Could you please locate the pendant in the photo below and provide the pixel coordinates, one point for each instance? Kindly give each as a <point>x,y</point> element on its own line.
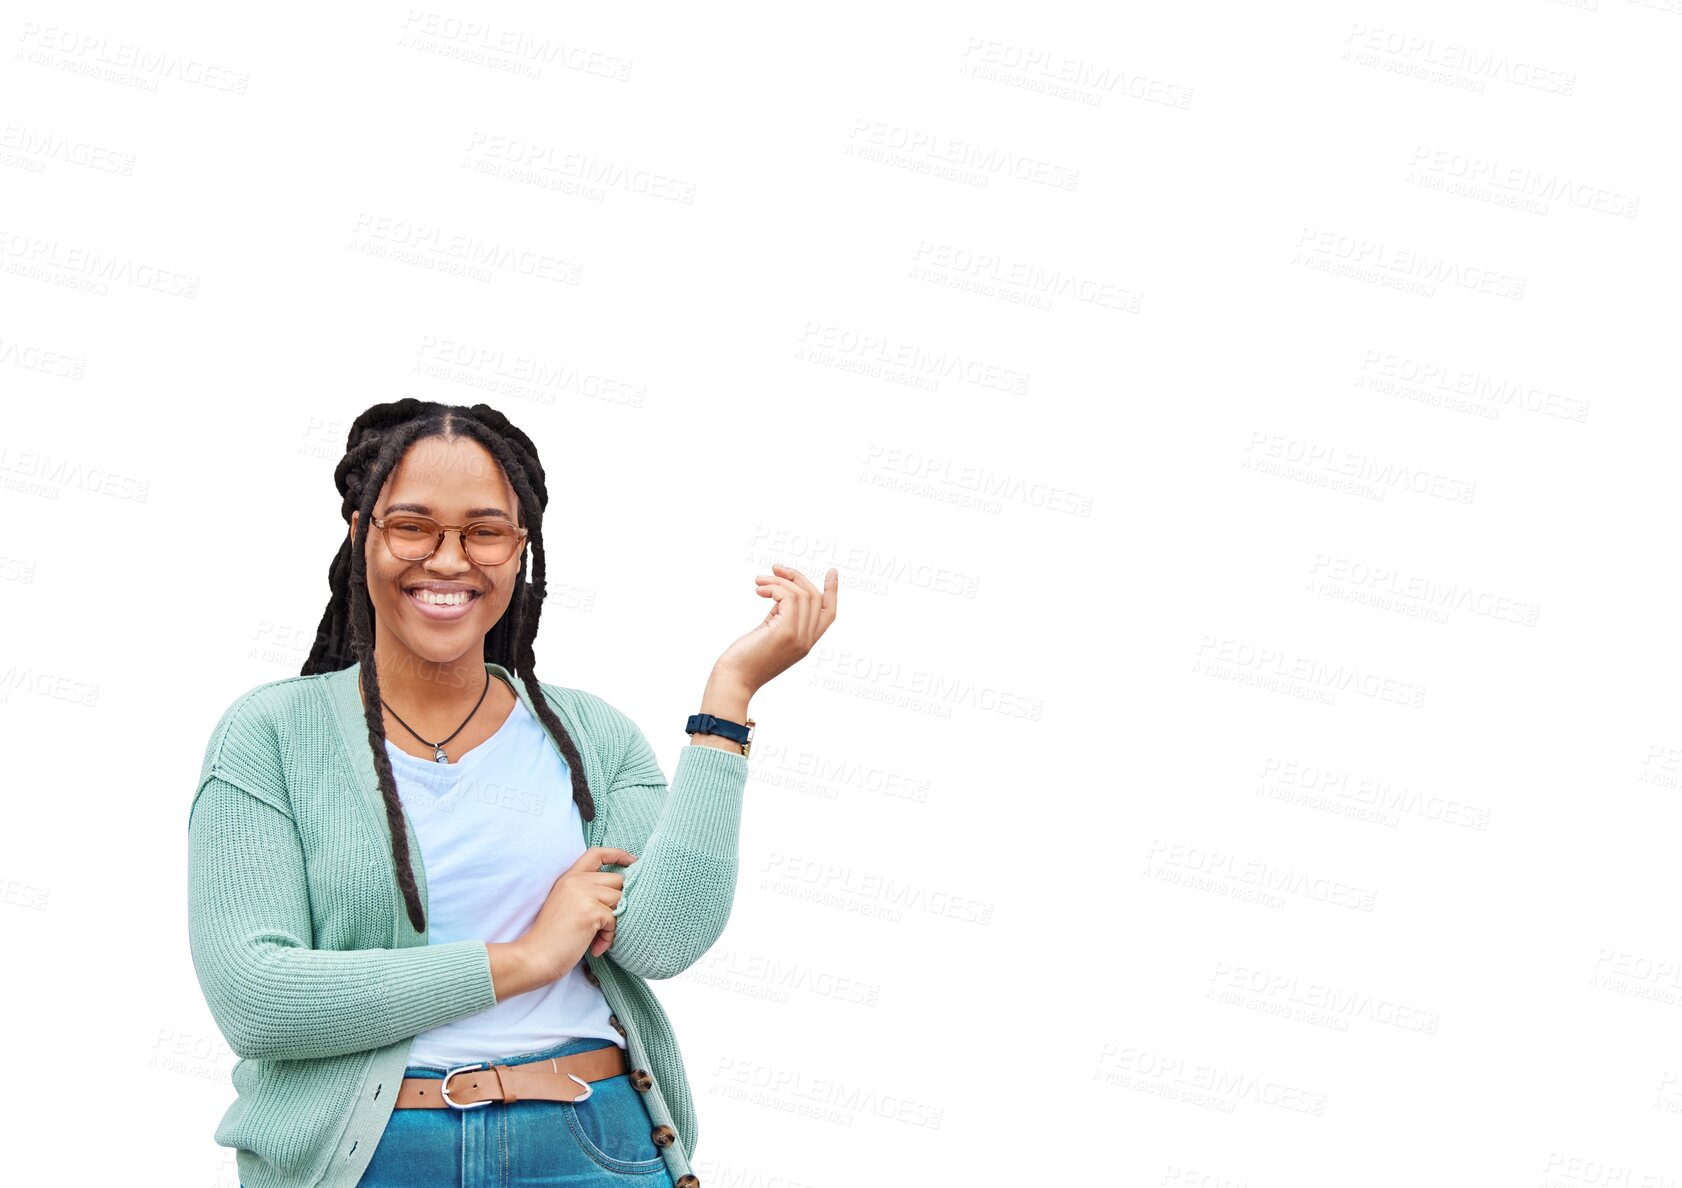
<point>439,754</point>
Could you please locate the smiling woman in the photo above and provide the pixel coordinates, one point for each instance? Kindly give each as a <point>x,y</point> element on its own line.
<point>419,571</point>
<point>421,880</point>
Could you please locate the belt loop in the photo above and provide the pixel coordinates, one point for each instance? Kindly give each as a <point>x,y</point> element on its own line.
<point>506,1084</point>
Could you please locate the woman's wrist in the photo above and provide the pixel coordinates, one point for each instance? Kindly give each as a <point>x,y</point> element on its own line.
<point>512,970</point>
<point>724,697</point>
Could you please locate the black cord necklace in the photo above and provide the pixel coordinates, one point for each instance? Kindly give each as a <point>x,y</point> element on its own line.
<point>438,747</point>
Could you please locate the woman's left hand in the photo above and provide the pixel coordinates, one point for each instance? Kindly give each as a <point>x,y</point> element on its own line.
<point>799,615</point>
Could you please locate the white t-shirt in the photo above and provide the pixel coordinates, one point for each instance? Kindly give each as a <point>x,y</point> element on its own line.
<point>497,828</point>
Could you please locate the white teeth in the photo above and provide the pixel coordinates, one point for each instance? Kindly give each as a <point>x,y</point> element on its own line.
<point>434,598</point>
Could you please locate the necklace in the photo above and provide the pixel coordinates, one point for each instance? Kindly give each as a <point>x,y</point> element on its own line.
<point>438,747</point>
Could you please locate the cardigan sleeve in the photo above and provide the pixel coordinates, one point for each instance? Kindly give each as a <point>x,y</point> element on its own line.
<point>677,894</point>
<point>274,996</point>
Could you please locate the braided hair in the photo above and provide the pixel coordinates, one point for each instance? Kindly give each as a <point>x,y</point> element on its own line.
<point>377,442</point>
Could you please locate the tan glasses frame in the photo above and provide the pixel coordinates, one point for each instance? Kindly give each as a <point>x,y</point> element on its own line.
<point>460,530</point>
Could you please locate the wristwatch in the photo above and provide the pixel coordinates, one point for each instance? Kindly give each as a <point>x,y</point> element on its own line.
<point>734,731</point>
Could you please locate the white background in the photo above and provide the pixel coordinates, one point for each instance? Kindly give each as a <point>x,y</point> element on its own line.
<point>1247,753</point>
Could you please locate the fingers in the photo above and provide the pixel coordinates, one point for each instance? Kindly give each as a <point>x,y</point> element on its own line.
<point>831,591</point>
<point>802,595</point>
<point>598,856</point>
<point>806,610</point>
<point>788,610</point>
<point>785,592</point>
<point>825,598</point>
<point>607,925</point>
<point>794,575</point>
<point>603,939</point>
<point>809,602</point>
<point>608,886</point>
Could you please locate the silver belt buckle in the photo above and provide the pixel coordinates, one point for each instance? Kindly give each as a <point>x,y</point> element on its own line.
<point>588,1088</point>
<point>444,1088</point>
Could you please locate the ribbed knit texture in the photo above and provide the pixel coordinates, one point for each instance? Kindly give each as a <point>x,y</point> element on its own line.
<point>307,959</point>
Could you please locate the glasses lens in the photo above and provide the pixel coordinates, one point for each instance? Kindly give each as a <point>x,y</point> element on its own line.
<point>411,537</point>
<point>490,542</point>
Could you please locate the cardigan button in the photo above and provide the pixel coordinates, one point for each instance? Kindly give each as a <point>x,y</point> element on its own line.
<point>641,1079</point>
<point>687,1181</point>
<point>590,976</point>
<point>617,1025</point>
<point>664,1136</point>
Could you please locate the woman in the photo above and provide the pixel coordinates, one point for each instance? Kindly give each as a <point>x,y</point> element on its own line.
<point>426,889</point>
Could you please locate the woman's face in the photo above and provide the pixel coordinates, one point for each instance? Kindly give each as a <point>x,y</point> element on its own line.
<point>453,482</point>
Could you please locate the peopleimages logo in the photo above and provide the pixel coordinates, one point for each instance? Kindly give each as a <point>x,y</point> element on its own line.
<point>49,685</point>
<point>1062,76</point>
<point>910,357</point>
<point>1324,458</point>
<point>75,266</point>
<point>1369,259</point>
<point>420,241</point>
<point>935,146</point>
<point>951,473</point>
<point>77,51</point>
<point>1280,669</point>
<point>1421,53</point>
<point>1024,274</point>
<point>41,147</point>
<point>55,472</point>
<point>1523,181</point>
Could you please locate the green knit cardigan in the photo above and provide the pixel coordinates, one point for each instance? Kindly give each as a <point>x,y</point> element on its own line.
<point>306,956</point>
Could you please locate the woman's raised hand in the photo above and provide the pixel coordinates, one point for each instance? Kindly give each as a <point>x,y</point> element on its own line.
<point>800,613</point>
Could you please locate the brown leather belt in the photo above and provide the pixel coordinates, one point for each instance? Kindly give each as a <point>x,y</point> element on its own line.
<point>560,1078</point>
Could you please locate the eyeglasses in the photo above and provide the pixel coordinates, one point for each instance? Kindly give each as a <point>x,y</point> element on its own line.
<point>415,538</point>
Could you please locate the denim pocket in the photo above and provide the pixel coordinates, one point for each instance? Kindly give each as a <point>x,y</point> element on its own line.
<point>613,1128</point>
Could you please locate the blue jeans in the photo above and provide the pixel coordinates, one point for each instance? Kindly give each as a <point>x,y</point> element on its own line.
<point>605,1139</point>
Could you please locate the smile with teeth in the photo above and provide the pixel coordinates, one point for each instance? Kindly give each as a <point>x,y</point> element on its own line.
<point>440,598</point>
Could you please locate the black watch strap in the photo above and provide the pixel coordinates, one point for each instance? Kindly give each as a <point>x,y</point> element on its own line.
<point>708,724</point>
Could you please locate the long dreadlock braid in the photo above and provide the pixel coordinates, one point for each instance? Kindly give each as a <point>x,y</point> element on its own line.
<point>377,442</point>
